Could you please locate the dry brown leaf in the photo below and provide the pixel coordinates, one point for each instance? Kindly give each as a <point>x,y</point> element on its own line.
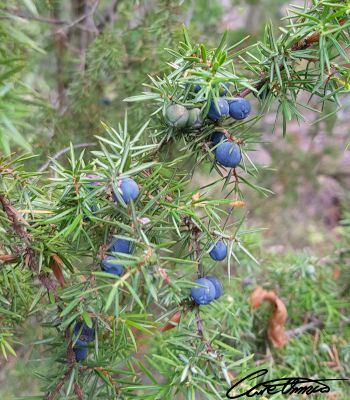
<point>173,322</point>
<point>57,269</point>
<point>238,204</point>
<point>275,331</point>
<point>196,197</point>
<point>336,273</point>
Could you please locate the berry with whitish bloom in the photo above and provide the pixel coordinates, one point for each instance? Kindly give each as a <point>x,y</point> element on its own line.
<point>219,111</point>
<point>219,290</point>
<point>239,109</point>
<point>217,137</point>
<point>80,351</point>
<point>176,115</point>
<point>86,334</point>
<point>247,281</point>
<point>203,295</point>
<point>218,251</point>
<point>111,265</point>
<point>129,190</point>
<point>120,246</point>
<point>94,180</point>
<point>228,154</point>
<point>195,119</point>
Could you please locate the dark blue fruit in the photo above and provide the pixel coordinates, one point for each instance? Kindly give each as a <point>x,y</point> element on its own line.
<point>228,154</point>
<point>219,251</point>
<point>217,113</point>
<point>86,334</point>
<point>80,352</point>
<point>129,190</point>
<point>105,101</point>
<point>94,180</point>
<point>110,265</point>
<point>176,115</point>
<point>240,108</point>
<point>120,246</point>
<point>197,88</point>
<point>217,137</point>
<point>203,295</point>
<point>219,290</point>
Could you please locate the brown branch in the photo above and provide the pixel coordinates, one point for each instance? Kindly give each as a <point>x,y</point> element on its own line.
<point>18,224</point>
<point>7,257</point>
<point>61,153</point>
<point>195,243</point>
<point>16,220</point>
<point>109,15</point>
<point>316,323</point>
<point>78,391</point>
<point>51,395</point>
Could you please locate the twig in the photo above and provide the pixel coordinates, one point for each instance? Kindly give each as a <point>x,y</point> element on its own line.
<point>29,255</point>
<point>199,323</point>
<point>302,44</point>
<point>195,243</point>
<point>51,395</point>
<point>82,17</point>
<point>316,323</point>
<point>109,15</point>
<point>78,391</point>
<point>46,20</point>
<point>61,152</point>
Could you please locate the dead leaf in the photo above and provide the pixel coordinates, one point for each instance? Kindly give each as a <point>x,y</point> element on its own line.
<point>56,269</point>
<point>164,275</point>
<point>238,204</point>
<point>275,331</point>
<point>196,197</point>
<point>336,273</point>
<point>173,322</point>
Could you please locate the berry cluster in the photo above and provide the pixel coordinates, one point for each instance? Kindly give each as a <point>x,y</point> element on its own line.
<point>129,191</point>
<point>227,152</point>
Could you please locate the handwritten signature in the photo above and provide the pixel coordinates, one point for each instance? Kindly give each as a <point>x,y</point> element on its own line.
<point>286,386</point>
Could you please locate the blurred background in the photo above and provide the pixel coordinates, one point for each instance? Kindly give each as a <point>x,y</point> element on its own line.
<point>61,74</point>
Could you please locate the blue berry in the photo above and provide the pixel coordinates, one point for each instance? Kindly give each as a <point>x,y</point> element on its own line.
<point>197,88</point>
<point>129,190</point>
<point>80,352</point>
<point>219,290</point>
<point>219,251</point>
<point>217,137</point>
<point>203,295</point>
<point>105,101</point>
<point>93,179</point>
<point>240,108</point>
<point>176,115</point>
<point>120,246</point>
<point>222,110</point>
<point>86,334</point>
<point>228,154</point>
<point>110,264</point>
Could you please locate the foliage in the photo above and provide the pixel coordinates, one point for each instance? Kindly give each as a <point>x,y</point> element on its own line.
<point>55,232</point>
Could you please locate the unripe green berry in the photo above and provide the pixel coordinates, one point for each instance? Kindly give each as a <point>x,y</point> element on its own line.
<point>176,115</point>
<point>195,119</point>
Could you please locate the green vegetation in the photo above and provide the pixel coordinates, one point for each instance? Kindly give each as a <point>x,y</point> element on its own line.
<point>113,252</point>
